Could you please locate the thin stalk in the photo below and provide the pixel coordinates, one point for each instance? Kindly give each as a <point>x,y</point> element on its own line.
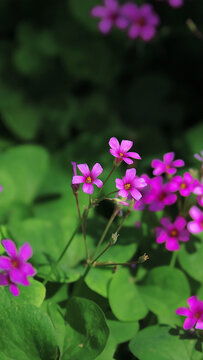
<point>102,252</point>
<point>106,230</point>
<point>78,207</point>
<point>173,259</point>
<point>54,266</point>
<point>105,181</point>
<point>124,219</point>
<point>84,233</point>
<point>97,201</point>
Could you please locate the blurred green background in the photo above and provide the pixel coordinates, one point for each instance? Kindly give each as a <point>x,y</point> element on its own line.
<point>65,86</point>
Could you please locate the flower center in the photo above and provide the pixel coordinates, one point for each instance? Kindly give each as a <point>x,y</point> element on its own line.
<point>127,186</point>
<point>201,223</point>
<point>15,263</point>
<point>183,186</point>
<point>162,196</point>
<point>113,15</point>
<point>198,314</point>
<point>141,22</point>
<point>89,180</point>
<point>167,167</point>
<point>174,233</point>
<point>121,154</point>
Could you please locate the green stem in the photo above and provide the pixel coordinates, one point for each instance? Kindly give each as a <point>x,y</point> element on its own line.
<point>103,251</point>
<point>111,172</point>
<point>78,207</point>
<point>84,232</point>
<point>106,230</point>
<point>97,201</point>
<point>173,259</point>
<point>124,219</point>
<point>54,266</point>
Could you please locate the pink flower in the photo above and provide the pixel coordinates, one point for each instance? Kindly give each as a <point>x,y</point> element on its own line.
<point>159,195</point>
<point>175,3</point>
<point>143,21</point>
<point>120,152</point>
<point>5,280</point>
<point>195,226</point>
<point>185,184</point>
<point>140,204</point>
<point>1,188</point>
<point>199,157</point>
<point>75,187</point>
<point>194,314</point>
<point>16,266</point>
<point>198,190</point>
<point>89,177</point>
<point>168,165</point>
<point>111,14</point>
<point>172,233</point>
<point>129,185</point>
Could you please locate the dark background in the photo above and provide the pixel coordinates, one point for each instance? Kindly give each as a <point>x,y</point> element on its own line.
<point>68,87</point>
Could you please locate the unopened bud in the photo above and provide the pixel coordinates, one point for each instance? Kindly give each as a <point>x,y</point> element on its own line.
<point>114,238</point>
<point>75,187</point>
<point>143,258</point>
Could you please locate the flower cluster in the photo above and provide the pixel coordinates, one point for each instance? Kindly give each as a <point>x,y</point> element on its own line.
<point>138,21</point>
<point>15,268</point>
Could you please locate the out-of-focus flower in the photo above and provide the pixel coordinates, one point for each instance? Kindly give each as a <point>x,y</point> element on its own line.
<point>15,265</point>
<point>143,21</point>
<point>6,281</point>
<point>198,190</point>
<point>168,165</point>
<point>129,185</point>
<point>111,14</point>
<point>199,157</point>
<point>194,314</point>
<point>195,226</point>
<point>176,3</point>
<point>89,178</point>
<point>140,204</point>
<point>159,195</point>
<point>1,188</point>
<point>185,184</point>
<point>75,187</point>
<point>120,151</point>
<point>171,233</point>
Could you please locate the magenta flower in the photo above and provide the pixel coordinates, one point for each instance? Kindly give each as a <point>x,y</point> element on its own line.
<point>1,188</point>
<point>194,314</point>
<point>16,265</point>
<point>120,152</point>
<point>185,184</point>
<point>195,226</point>
<point>159,195</point>
<point>140,204</point>
<point>75,187</point>
<point>171,233</point>
<point>89,177</point>
<point>175,3</point>
<point>143,21</point>
<point>198,190</point>
<point>111,14</point>
<point>5,280</point>
<point>168,165</point>
<point>129,185</point>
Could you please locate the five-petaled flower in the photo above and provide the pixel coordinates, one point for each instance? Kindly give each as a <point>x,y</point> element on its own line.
<point>194,314</point>
<point>15,266</point>
<point>130,184</point>
<point>159,194</point>
<point>195,226</point>
<point>171,233</point>
<point>121,151</point>
<point>143,21</point>
<point>89,178</point>
<point>111,14</point>
<point>185,184</point>
<point>168,165</point>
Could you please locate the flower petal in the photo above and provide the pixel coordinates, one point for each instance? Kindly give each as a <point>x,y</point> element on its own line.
<point>96,170</point>
<point>194,227</point>
<point>184,235</point>
<point>114,153</point>
<point>189,323</point>
<point>195,213</point>
<point>147,32</point>
<point>133,155</point>
<point>180,222</point>
<point>3,280</point>
<point>129,175</point>
<point>123,193</point>
<point>88,188</point>
<point>25,252</point>
<point>172,244</point>
<point>10,247</point>
<point>28,269</point>
<point>78,179</point>
<point>168,157</point>
<point>161,236</point>
<point>114,144</point>
<point>199,324</point>
<point>119,184</point>
<point>98,11</point>
<point>178,163</point>
<point>5,263</point>
<point>188,178</point>
<point>84,168</point>
<point>98,183</point>
<point>193,302</point>
<point>127,160</point>
<point>125,145</point>
<point>183,311</point>
<point>14,290</point>
<point>105,25</point>
<point>165,222</point>
<point>135,194</point>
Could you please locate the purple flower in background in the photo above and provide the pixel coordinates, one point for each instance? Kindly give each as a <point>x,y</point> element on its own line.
<point>89,177</point>
<point>199,157</point>
<point>129,185</point>
<point>195,226</point>
<point>5,280</point>
<point>194,314</point>
<point>140,204</point>
<point>120,152</point>
<point>1,188</point>
<point>174,3</point>
<point>111,14</point>
<point>198,190</point>
<point>185,184</point>
<point>159,195</point>
<point>75,187</point>
<point>15,265</point>
<point>143,21</point>
<point>168,165</point>
<point>171,233</point>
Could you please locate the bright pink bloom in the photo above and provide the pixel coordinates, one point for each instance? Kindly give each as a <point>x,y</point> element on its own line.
<point>89,177</point>
<point>194,314</point>
<point>168,165</point>
<point>185,184</point>
<point>159,195</point>
<point>111,14</point>
<point>75,187</point>
<point>16,265</point>
<point>120,152</point>
<point>171,233</point>
<point>195,226</point>
<point>5,280</point>
<point>140,204</point>
<point>143,21</point>
<point>129,185</point>
<point>198,190</point>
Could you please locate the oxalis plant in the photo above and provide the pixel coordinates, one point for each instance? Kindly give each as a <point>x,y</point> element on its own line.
<point>111,299</point>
